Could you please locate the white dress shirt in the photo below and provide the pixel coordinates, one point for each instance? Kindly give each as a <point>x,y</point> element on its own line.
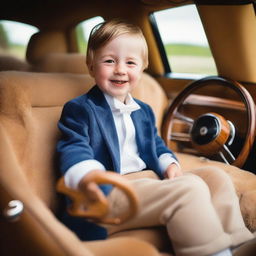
<point>129,155</point>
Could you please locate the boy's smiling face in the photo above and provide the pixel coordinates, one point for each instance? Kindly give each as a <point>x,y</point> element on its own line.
<point>117,66</point>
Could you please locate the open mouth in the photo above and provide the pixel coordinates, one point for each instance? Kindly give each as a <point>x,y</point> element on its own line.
<point>118,83</point>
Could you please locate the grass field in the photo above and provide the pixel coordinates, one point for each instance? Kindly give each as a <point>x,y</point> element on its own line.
<point>193,59</point>
<point>192,64</point>
<point>187,49</point>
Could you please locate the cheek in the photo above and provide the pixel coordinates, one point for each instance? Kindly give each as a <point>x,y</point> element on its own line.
<point>101,74</point>
<point>135,76</point>
<point>104,73</point>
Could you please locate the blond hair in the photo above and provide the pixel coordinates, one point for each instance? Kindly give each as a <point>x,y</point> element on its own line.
<point>104,32</point>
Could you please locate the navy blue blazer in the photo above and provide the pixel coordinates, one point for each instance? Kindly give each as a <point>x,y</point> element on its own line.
<point>88,132</point>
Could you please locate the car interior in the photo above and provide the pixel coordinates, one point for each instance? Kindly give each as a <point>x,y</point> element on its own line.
<point>212,91</point>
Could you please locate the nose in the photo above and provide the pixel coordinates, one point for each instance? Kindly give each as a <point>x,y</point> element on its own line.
<point>120,69</point>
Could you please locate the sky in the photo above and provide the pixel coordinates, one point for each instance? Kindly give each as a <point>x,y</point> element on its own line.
<point>177,25</point>
<point>181,25</point>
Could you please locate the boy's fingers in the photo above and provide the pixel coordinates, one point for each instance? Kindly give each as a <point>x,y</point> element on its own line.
<point>171,174</point>
<point>92,191</point>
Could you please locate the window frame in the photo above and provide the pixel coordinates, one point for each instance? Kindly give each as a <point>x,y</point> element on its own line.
<point>159,42</point>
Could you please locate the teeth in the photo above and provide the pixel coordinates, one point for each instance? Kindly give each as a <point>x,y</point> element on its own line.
<point>119,82</point>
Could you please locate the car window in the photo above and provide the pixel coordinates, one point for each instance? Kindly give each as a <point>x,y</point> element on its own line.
<point>14,37</point>
<point>184,40</point>
<point>83,30</point>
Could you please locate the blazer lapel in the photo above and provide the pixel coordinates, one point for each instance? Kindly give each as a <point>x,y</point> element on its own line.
<point>106,123</point>
<point>146,141</point>
<point>143,135</point>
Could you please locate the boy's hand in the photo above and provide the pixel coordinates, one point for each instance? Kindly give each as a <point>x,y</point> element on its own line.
<point>90,188</point>
<point>172,171</point>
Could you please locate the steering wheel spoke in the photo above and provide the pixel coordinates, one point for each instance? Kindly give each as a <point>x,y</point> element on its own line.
<point>223,158</point>
<point>180,136</point>
<point>226,155</point>
<point>229,153</point>
<point>184,118</point>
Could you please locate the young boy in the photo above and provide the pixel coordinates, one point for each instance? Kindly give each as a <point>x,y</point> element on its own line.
<point>106,129</point>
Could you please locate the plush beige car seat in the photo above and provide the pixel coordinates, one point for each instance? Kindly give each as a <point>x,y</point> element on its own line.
<point>30,106</point>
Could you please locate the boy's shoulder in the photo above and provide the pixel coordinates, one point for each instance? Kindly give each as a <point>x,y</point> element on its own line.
<point>142,104</point>
<point>76,103</point>
<point>81,99</point>
<point>78,99</point>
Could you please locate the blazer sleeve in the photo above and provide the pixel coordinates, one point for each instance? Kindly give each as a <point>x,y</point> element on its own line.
<point>74,145</point>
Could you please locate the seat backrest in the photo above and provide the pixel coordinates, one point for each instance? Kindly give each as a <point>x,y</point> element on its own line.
<point>30,106</point>
<point>150,91</point>
<point>62,63</point>
<point>8,62</point>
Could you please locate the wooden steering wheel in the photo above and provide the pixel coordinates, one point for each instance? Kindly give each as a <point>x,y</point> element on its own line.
<point>220,126</point>
<point>98,210</point>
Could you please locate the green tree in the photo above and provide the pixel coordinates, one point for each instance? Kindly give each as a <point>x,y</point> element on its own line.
<point>82,44</point>
<point>4,40</point>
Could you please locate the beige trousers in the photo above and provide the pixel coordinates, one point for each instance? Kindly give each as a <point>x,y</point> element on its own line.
<point>200,210</point>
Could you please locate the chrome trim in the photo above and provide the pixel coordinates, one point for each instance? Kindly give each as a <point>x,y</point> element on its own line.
<point>223,158</point>
<point>13,210</point>
<point>229,152</point>
<point>232,132</point>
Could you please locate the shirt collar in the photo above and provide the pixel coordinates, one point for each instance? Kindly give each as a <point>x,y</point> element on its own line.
<point>117,106</point>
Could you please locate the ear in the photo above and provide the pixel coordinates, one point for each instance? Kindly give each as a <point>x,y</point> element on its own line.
<point>90,69</point>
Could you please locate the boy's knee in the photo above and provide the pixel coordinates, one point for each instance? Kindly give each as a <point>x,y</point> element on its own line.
<point>195,186</point>
<point>213,176</point>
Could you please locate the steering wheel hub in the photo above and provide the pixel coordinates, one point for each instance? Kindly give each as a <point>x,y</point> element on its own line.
<point>209,133</point>
<point>205,129</point>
